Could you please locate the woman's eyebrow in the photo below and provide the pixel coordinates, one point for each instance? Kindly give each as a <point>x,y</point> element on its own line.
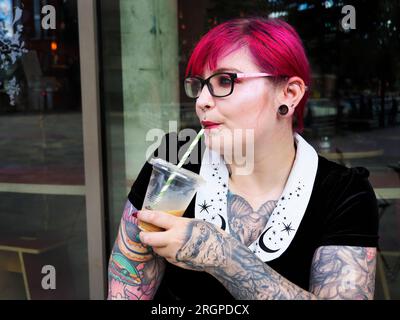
<point>226,70</point>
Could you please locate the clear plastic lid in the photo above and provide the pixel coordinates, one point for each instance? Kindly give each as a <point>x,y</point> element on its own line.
<point>180,173</point>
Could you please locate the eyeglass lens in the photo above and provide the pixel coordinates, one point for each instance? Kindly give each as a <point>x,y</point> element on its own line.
<point>220,85</point>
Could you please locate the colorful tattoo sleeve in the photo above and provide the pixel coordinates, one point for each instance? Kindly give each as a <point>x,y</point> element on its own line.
<point>134,271</point>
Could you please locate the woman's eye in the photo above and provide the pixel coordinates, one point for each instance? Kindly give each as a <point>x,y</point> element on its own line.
<point>224,81</point>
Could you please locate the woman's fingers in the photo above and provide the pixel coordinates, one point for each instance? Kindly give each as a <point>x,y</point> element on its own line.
<point>158,218</point>
<point>154,239</point>
<point>164,243</point>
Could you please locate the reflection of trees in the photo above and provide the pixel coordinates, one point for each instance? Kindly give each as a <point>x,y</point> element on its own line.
<point>12,47</point>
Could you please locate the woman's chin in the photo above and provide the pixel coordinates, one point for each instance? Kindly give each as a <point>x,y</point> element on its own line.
<point>219,142</point>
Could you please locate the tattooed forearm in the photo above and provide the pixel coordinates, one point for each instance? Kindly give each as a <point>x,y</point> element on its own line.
<point>134,271</point>
<point>343,272</point>
<point>204,247</point>
<point>246,277</point>
<point>235,266</point>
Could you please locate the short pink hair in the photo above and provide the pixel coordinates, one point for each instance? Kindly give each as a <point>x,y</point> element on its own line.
<point>274,44</point>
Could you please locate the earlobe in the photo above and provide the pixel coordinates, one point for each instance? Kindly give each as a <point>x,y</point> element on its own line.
<point>284,109</point>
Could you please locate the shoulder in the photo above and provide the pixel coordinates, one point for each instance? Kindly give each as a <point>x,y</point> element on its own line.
<point>333,176</point>
<point>338,182</point>
<point>348,200</point>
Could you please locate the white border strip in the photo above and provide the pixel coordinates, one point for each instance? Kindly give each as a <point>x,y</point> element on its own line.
<point>92,148</point>
<point>70,190</point>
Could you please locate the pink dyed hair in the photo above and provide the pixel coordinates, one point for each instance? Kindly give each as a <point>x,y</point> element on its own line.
<point>274,44</point>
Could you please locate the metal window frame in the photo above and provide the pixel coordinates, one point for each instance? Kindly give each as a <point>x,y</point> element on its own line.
<point>95,211</point>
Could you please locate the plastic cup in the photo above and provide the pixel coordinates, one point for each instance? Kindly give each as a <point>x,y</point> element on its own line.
<point>176,198</point>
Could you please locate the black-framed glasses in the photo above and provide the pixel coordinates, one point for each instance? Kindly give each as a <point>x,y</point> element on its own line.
<point>219,84</point>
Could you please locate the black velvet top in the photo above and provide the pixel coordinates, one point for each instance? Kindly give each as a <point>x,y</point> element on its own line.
<point>342,211</point>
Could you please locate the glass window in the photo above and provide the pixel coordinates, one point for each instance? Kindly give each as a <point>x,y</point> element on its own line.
<point>140,88</point>
<point>42,186</point>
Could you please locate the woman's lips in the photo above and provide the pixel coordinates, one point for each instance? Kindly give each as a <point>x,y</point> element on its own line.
<point>210,124</point>
<point>212,127</point>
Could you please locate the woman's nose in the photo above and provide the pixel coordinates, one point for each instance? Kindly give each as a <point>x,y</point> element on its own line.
<point>205,100</point>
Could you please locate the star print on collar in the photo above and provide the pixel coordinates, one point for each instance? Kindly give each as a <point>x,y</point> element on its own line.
<point>287,228</point>
<point>204,206</point>
<point>211,199</point>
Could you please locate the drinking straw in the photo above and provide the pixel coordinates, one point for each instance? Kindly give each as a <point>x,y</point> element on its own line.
<point>180,164</point>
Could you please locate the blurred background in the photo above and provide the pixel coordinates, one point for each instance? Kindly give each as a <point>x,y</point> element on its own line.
<point>77,101</point>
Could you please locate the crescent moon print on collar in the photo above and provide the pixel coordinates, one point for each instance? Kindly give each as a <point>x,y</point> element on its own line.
<point>211,199</point>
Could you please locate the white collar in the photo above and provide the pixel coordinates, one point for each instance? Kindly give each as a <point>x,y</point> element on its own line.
<point>211,199</point>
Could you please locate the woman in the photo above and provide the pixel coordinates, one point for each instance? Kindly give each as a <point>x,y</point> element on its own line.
<point>296,227</point>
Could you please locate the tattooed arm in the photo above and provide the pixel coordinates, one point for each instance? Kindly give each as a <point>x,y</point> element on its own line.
<point>134,271</point>
<point>343,272</point>
<point>338,272</point>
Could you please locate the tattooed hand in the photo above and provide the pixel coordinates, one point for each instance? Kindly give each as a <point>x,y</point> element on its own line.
<point>205,246</point>
<point>188,243</point>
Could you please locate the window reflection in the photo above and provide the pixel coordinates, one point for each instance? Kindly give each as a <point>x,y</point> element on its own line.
<point>42,197</point>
